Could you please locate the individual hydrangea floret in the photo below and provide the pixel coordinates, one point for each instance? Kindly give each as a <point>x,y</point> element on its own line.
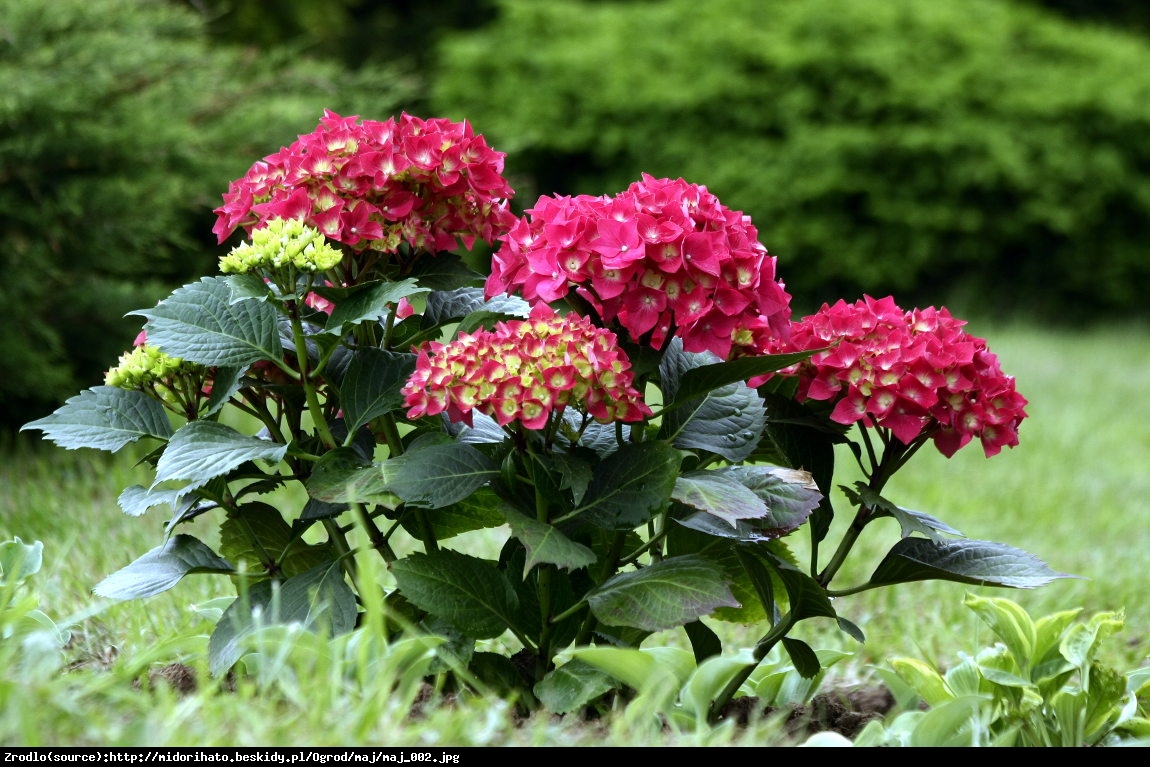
<point>525,371</point>
<point>377,185</point>
<point>663,258</point>
<point>282,243</point>
<point>916,373</point>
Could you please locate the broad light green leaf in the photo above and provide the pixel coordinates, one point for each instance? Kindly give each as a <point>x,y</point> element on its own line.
<point>371,386</point>
<point>634,483</point>
<point>137,499</point>
<point>1011,623</point>
<point>199,323</point>
<point>571,686</point>
<point>665,595</point>
<point>545,544</point>
<point>717,494</point>
<point>161,568</point>
<point>104,418</point>
<point>467,592</point>
<point>366,302</point>
<point>438,475</point>
<point>201,450</point>
<point>982,563</point>
<point>318,600</point>
<point>645,670</point>
<point>18,560</point>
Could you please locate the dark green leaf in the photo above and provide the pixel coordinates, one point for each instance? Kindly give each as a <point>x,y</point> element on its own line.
<point>805,660</point>
<point>665,595</point>
<point>200,450</point>
<point>256,535</point>
<point>983,563</point>
<point>478,511</point>
<point>444,306</point>
<point>467,592</point>
<point>545,544</point>
<point>199,323</point>
<point>371,386</point>
<point>104,418</point>
<point>910,521</point>
<point>318,600</point>
<point>572,686</point>
<point>367,302</point>
<point>342,476</point>
<point>438,475</point>
<point>706,378</point>
<point>634,483</point>
<point>161,568</point>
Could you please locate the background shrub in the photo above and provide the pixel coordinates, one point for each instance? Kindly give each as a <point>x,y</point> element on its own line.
<point>120,128</point>
<point>982,152</point>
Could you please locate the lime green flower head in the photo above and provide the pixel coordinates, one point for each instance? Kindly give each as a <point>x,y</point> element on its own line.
<point>143,367</point>
<point>283,242</point>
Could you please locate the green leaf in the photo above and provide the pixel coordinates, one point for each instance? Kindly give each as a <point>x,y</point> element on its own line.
<point>18,560</point>
<point>715,493</point>
<point>104,418</point>
<point>646,670</point>
<point>256,535</point>
<point>665,595</point>
<point>909,521</point>
<point>371,386</point>
<point>438,475</point>
<point>199,323</point>
<point>201,450</point>
<point>710,678</point>
<point>700,380</point>
<point>319,600</point>
<point>982,563</point>
<point>367,302</point>
<point>478,511</point>
<point>927,683</point>
<point>1011,623</point>
<point>161,568</point>
<point>727,421</point>
<point>341,476</point>
<point>634,483</point>
<point>445,306</point>
<point>545,544</point>
<point>467,592</point>
<point>572,686</point>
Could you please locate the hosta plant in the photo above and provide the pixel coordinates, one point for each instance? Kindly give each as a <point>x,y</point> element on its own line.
<point>1041,684</point>
<point>609,435</point>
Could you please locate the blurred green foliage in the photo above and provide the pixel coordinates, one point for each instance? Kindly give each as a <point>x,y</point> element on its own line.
<point>121,125</point>
<point>985,153</point>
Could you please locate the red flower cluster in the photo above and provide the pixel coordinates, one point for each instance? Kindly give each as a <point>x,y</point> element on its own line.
<point>525,370</point>
<point>377,184</point>
<point>664,257</point>
<point>914,373</point>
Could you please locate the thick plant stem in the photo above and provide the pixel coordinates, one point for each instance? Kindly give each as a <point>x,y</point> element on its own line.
<point>310,393</point>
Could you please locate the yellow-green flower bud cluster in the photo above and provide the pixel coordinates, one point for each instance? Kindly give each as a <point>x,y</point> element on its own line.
<point>145,366</point>
<point>283,242</point>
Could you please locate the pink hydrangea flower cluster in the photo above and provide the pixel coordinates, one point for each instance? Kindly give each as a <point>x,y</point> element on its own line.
<point>914,373</point>
<point>371,184</point>
<point>664,257</point>
<point>526,370</point>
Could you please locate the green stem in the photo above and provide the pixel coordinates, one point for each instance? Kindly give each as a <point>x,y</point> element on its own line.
<point>312,396</point>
